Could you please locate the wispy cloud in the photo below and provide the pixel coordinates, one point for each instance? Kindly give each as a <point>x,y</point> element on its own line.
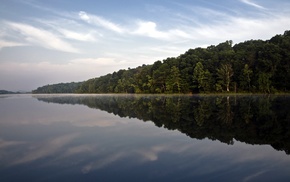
<point>40,37</point>
<point>249,2</point>
<point>246,28</point>
<point>149,29</point>
<point>4,43</point>
<point>70,29</point>
<point>99,21</point>
<point>87,37</point>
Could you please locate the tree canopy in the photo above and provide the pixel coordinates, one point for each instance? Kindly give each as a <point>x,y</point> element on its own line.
<point>254,66</point>
<point>58,88</point>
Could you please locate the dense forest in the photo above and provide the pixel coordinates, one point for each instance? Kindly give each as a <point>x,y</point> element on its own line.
<point>254,66</point>
<point>254,120</point>
<point>58,88</point>
<point>6,92</point>
<point>10,92</point>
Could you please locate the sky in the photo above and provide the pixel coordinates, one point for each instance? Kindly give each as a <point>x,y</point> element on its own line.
<point>56,41</point>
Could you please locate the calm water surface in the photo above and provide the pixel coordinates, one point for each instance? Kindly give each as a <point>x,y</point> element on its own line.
<point>144,138</point>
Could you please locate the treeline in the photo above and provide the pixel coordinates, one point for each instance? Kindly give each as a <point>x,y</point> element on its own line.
<point>254,120</point>
<point>11,92</point>
<point>254,66</point>
<point>6,92</point>
<point>58,88</point>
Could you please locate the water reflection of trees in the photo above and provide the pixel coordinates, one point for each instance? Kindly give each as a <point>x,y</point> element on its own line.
<point>254,119</point>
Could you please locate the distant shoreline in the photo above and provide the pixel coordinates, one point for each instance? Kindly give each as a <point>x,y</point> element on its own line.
<point>2,92</point>
<point>164,94</point>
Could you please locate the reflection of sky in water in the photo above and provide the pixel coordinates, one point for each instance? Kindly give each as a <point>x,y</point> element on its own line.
<point>46,141</point>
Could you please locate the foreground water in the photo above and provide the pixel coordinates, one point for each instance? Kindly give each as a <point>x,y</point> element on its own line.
<point>144,138</point>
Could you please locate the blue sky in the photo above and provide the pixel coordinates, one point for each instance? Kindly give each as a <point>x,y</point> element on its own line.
<point>52,41</point>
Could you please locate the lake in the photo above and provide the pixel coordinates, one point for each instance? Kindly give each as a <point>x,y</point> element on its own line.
<point>144,138</point>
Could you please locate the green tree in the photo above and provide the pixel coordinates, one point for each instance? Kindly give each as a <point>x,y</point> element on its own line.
<point>159,78</point>
<point>207,82</point>
<point>201,78</point>
<point>198,75</point>
<point>264,82</point>
<point>246,77</point>
<point>173,81</point>
<point>224,73</point>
